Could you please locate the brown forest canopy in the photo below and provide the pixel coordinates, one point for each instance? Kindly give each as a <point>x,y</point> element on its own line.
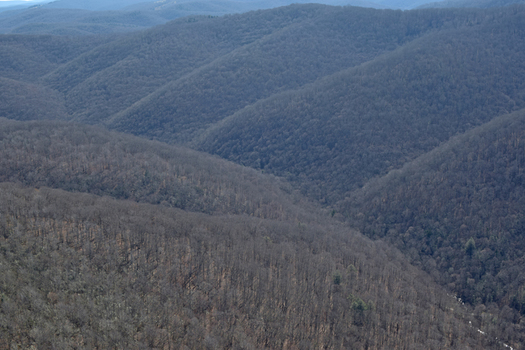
<point>80,270</point>
<point>406,124</point>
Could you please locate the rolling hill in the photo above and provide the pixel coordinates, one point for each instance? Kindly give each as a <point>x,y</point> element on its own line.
<point>335,134</point>
<point>81,270</point>
<point>403,125</point>
<point>214,84</point>
<point>457,210</point>
<point>76,18</point>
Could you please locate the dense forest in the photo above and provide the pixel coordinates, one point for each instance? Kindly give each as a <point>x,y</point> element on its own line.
<point>334,135</point>
<point>89,271</point>
<point>214,84</point>
<point>303,177</point>
<point>458,212</point>
<point>90,159</point>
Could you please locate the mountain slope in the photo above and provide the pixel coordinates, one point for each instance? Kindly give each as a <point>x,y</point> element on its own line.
<point>175,81</point>
<point>322,43</point>
<point>165,78</point>
<point>87,159</point>
<point>125,71</point>
<point>72,22</point>
<point>87,17</point>
<point>27,58</point>
<point>335,134</point>
<point>315,95</point>
<point>91,272</point>
<point>30,101</point>
<point>458,210</point>
<point>85,271</point>
<point>471,3</point>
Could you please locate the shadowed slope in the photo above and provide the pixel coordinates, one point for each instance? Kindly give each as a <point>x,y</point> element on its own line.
<point>458,212</point>
<point>332,136</point>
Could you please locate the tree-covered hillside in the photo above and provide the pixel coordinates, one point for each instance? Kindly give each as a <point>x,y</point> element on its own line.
<point>77,18</point>
<point>86,271</point>
<point>334,135</point>
<point>73,22</point>
<point>79,158</point>
<point>458,212</point>
<point>28,58</point>
<point>399,122</point>
<point>113,77</point>
<point>176,81</point>
<point>326,96</point>
<point>319,42</point>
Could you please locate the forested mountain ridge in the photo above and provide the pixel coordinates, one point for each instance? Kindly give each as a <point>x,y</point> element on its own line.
<point>330,98</point>
<point>79,158</point>
<point>138,80</point>
<point>194,81</point>
<point>128,70</point>
<point>325,41</point>
<point>73,18</point>
<point>334,135</point>
<point>85,271</point>
<point>471,3</point>
<point>458,210</point>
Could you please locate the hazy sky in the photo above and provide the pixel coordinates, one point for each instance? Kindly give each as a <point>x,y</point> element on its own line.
<point>23,0</point>
<point>20,2</point>
<point>8,4</point>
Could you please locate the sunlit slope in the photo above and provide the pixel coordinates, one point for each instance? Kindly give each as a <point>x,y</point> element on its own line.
<point>80,158</point>
<point>92,272</point>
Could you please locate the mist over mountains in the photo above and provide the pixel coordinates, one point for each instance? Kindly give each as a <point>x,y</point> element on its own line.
<point>307,176</point>
<point>75,17</point>
<point>70,17</point>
